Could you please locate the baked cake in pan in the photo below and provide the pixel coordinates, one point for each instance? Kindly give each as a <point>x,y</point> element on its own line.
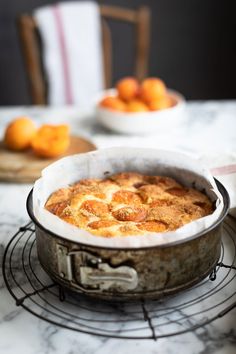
<point>127,204</point>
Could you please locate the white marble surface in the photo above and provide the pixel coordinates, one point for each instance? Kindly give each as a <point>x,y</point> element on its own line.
<point>210,130</point>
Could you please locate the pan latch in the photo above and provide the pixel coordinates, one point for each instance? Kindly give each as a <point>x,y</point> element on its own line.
<point>94,273</point>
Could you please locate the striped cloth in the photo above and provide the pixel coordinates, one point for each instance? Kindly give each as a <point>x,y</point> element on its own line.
<point>72,51</point>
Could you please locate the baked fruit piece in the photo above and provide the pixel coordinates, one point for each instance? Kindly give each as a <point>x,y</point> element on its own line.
<point>128,203</point>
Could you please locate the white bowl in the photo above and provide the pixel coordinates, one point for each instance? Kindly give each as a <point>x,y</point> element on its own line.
<point>141,122</point>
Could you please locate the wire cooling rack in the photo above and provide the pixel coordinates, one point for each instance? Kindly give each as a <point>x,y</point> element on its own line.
<point>32,289</point>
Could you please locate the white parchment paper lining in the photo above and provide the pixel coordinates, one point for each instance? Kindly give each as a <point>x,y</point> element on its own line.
<point>104,162</point>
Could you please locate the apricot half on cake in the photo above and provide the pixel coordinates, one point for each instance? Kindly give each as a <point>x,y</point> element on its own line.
<point>19,133</point>
<point>51,140</point>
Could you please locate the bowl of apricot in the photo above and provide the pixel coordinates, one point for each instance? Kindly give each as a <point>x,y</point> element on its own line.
<point>134,107</point>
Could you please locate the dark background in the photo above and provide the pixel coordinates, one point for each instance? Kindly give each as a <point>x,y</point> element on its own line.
<point>193,47</point>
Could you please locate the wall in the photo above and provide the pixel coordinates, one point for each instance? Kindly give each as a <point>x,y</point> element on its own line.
<point>193,47</point>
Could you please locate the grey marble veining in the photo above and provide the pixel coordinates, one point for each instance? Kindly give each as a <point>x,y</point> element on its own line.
<point>209,128</point>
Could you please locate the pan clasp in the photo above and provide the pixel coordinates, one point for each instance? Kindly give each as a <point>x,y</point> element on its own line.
<point>95,274</point>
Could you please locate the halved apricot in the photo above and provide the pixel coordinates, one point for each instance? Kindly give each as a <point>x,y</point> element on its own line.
<point>94,207</point>
<point>100,224</point>
<point>130,214</point>
<point>127,178</point>
<point>51,140</point>
<point>126,197</point>
<point>153,226</point>
<point>57,208</point>
<point>177,191</point>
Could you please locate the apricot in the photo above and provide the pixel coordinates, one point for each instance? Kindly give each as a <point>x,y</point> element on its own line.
<point>153,226</point>
<point>177,191</point>
<point>113,103</point>
<point>130,214</point>
<point>94,207</point>
<point>51,140</point>
<point>126,197</point>
<point>136,106</point>
<point>57,208</point>
<point>152,89</point>
<point>19,133</point>
<point>128,179</point>
<point>128,88</point>
<point>102,224</point>
<point>162,103</point>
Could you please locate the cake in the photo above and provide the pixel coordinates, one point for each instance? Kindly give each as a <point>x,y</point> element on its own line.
<point>128,203</point>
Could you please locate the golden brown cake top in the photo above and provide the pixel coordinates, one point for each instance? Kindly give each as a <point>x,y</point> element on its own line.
<point>128,203</point>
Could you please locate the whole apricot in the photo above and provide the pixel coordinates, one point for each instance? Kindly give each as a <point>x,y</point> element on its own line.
<point>136,106</point>
<point>128,88</point>
<point>19,133</point>
<point>51,140</point>
<point>152,89</point>
<point>162,103</point>
<point>113,103</point>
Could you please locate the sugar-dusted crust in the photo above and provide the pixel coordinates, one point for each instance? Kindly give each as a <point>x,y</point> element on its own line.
<point>128,203</point>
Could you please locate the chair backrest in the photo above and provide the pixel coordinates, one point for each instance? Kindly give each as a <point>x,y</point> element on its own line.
<point>31,47</point>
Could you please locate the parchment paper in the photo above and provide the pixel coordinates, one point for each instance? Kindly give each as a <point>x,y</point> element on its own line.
<point>105,162</point>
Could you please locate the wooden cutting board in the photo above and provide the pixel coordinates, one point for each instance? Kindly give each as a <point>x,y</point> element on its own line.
<point>25,167</point>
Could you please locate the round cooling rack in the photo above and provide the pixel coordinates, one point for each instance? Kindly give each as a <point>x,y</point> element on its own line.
<point>32,289</point>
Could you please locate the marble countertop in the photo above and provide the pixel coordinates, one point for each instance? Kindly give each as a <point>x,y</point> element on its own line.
<point>209,130</point>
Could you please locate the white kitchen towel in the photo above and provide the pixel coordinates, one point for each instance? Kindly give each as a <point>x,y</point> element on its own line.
<point>72,51</point>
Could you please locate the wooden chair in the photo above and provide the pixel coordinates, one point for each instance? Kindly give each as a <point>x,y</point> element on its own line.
<point>31,47</point>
